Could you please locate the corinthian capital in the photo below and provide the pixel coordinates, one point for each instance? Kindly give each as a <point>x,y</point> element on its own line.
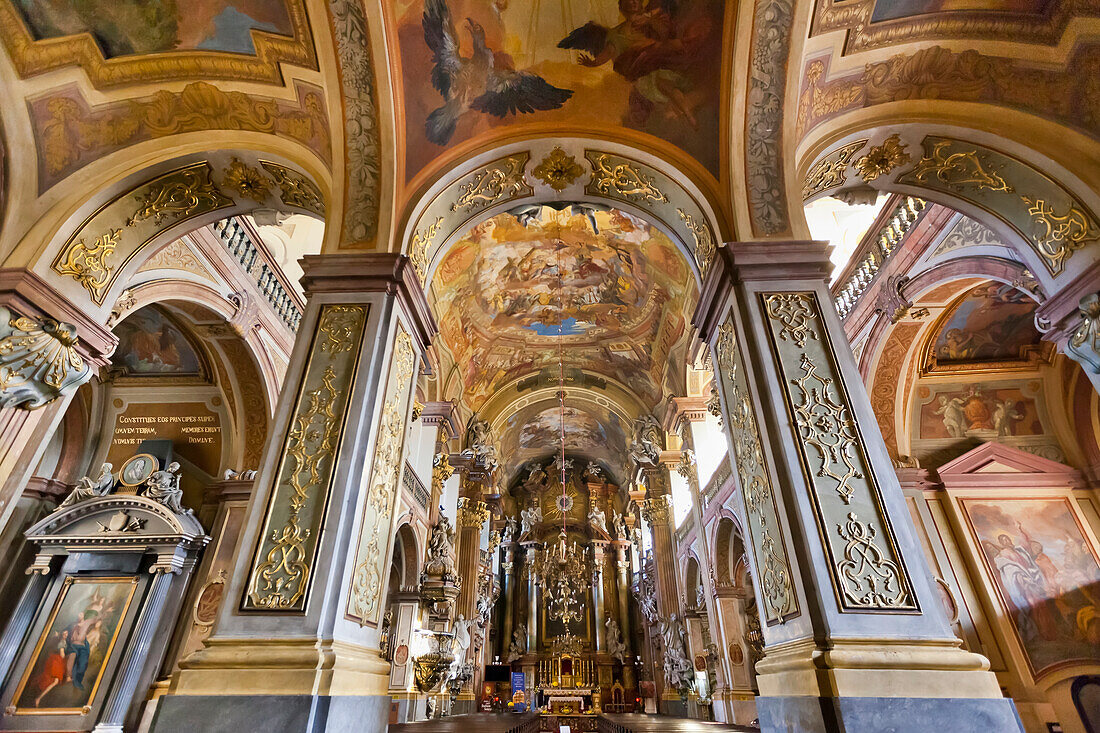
<point>38,361</point>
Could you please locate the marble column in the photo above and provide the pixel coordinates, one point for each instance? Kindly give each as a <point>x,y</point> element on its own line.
<point>48,347</point>
<point>507,592</point>
<point>296,643</point>
<point>532,551</point>
<point>622,566</point>
<point>657,512</point>
<point>855,636</point>
<point>599,550</point>
<point>472,515</point>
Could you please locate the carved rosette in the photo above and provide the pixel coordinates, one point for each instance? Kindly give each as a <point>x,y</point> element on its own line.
<point>864,562</point>
<point>38,361</point>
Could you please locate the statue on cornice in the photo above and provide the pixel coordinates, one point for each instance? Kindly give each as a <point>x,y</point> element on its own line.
<point>556,464</point>
<point>645,449</point>
<point>519,643</point>
<point>91,488</point>
<point>536,478</point>
<point>529,517</point>
<point>508,532</point>
<point>479,444</point>
<point>440,560</point>
<point>597,518</point>
<point>615,646</point>
<point>164,487</point>
<point>593,472</point>
<point>618,523</point>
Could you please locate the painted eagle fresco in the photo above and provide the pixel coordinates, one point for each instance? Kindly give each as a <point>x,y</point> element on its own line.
<point>484,82</point>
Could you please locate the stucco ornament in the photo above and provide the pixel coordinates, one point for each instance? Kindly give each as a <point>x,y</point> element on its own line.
<point>1084,342</point>
<point>91,488</point>
<point>38,361</point>
<point>645,449</point>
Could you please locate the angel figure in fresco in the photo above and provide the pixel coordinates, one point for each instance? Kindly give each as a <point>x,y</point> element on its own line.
<point>654,48</point>
<point>485,82</point>
<point>954,419</point>
<point>1005,417</point>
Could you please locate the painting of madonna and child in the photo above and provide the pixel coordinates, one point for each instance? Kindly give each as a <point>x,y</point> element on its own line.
<point>1046,575</point>
<point>71,656</point>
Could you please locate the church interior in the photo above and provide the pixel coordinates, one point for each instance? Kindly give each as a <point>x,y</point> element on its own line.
<point>530,365</point>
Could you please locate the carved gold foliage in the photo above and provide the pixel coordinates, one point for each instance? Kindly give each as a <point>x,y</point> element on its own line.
<point>282,564</point>
<point>295,189</point>
<point>246,181</point>
<point>881,159</point>
<point>825,425</point>
<point>71,134</point>
<point>774,570</point>
<point>958,170</point>
<point>89,264</point>
<point>38,361</point>
<point>418,250</point>
<point>657,510</point>
<point>1057,236</point>
<point>180,197</point>
<point>558,170</point>
<point>831,170</point>
<point>501,180</point>
<point>472,513</point>
<point>705,248</point>
<point>621,179</point>
<point>794,311</point>
<point>870,579</point>
<point>366,591</point>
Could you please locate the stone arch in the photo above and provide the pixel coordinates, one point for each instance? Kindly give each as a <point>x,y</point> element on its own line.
<point>406,550</point>
<point>728,550</point>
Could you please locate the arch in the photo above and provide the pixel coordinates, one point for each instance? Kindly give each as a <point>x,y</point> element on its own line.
<point>405,547</point>
<point>728,550</point>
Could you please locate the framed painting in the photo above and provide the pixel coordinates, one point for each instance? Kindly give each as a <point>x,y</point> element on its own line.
<point>71,655</point>
<point>151,344</point>
<point>1046,575</point>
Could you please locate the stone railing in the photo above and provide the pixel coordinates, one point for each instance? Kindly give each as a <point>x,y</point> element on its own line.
<point>415,486</point>
<point>234,234</point>
<point>899,215</point>
<point>720,476</point>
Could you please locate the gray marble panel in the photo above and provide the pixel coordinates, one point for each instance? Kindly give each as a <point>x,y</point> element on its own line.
<point>284,713</point>
<point>886,715</point>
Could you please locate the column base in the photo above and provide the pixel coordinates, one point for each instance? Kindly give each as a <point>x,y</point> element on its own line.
<point>290,713</point>
<point>882,685</point>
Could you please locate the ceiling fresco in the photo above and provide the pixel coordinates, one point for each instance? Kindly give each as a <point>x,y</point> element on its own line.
<point>993,322</point>
<point>535,432</point>
<point>896,9</point>
<point>125,27</point>
<point>616,288</point>
<point>471,66</point>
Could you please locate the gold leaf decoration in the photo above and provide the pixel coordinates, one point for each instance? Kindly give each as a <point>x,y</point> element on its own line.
<point>558,170</point>
<point>246,181</point>
<point>621,179</point>
<point>705,248</point>
<point>881,159</point>
<point>830,171</point>
<point>89,264</point>
<point>418,250</point>
<point>500,180</point>
<point>1057,236</point>
<point>958,170</point>
<point>179,197</point>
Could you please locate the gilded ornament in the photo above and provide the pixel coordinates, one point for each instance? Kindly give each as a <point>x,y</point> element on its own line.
<point>472,513</point>
<point>179,197</point>
<point>366,591</point>
<point>88,264</point>
<point>830,171</point>
<point>558,170</point>
<point>246,181</point>
<point>280,575</point>
<point>825,424</point>
<point>418,250</point>
<point>38,361</point>
<point>657,510</point>
<point>295,189</point>
<point>870,579</point>
<point>1084,341</point>
<point>621,180</point>
<point>958,170</point>
<point>881,159</point>
<point>748,455</point>
<point>501,180</point>
<point>704,241</point>
<point>1058,236</point>
<point>794,311</point>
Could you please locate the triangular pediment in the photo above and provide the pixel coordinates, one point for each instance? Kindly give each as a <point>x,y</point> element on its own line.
<point>997,458</point>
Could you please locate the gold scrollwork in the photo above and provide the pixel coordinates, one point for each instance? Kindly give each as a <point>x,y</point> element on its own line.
<point>881,159</point>
<point>179,197</point>
<point>280,580</point>
<point>871,580</point>
<point>825,424</point>
<point>472,513</point>
<point>89,264</point>
<point>958,170</point>
<point>704,241</point>
<point>1057,236</point>
<point>621,180</point>
<point>365,596</point>
<point>246,181</point>
<point>558,170</point>
<point>830,171</point>
<point>501,180</point>
<point>296,189</point>
<point>774,571</point>
<point>418,250</point>
<point>794,311</point>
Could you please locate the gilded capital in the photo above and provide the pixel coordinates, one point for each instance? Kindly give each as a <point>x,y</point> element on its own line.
<point>38,361</point>
<point>657,510</point>
<point>472,513</point>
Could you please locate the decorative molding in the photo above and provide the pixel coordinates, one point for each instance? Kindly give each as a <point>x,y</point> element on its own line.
<point>618,178</point>
<point>831,170</point>
<point>881,159</point>
<point>418,250</point>
<point>865,563</point>
<point>362,132</point>
<point>70,133</point>
<point>39,361</point>
<point>501,180</point>
<point>33,56</point>
<point>705,247</point>
<point>767,81</point>
<point>1084,341</point>
<point>558,170</point>
<point>472,513</point>
<point>295,189</point>
<point>283,560</point>
<point>365,598</point>
<point>773,567</point>
<point>657,510</point>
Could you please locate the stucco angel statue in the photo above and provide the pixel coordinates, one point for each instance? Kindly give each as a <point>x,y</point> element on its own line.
<point>529,517</point>
<point>90,488</point>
